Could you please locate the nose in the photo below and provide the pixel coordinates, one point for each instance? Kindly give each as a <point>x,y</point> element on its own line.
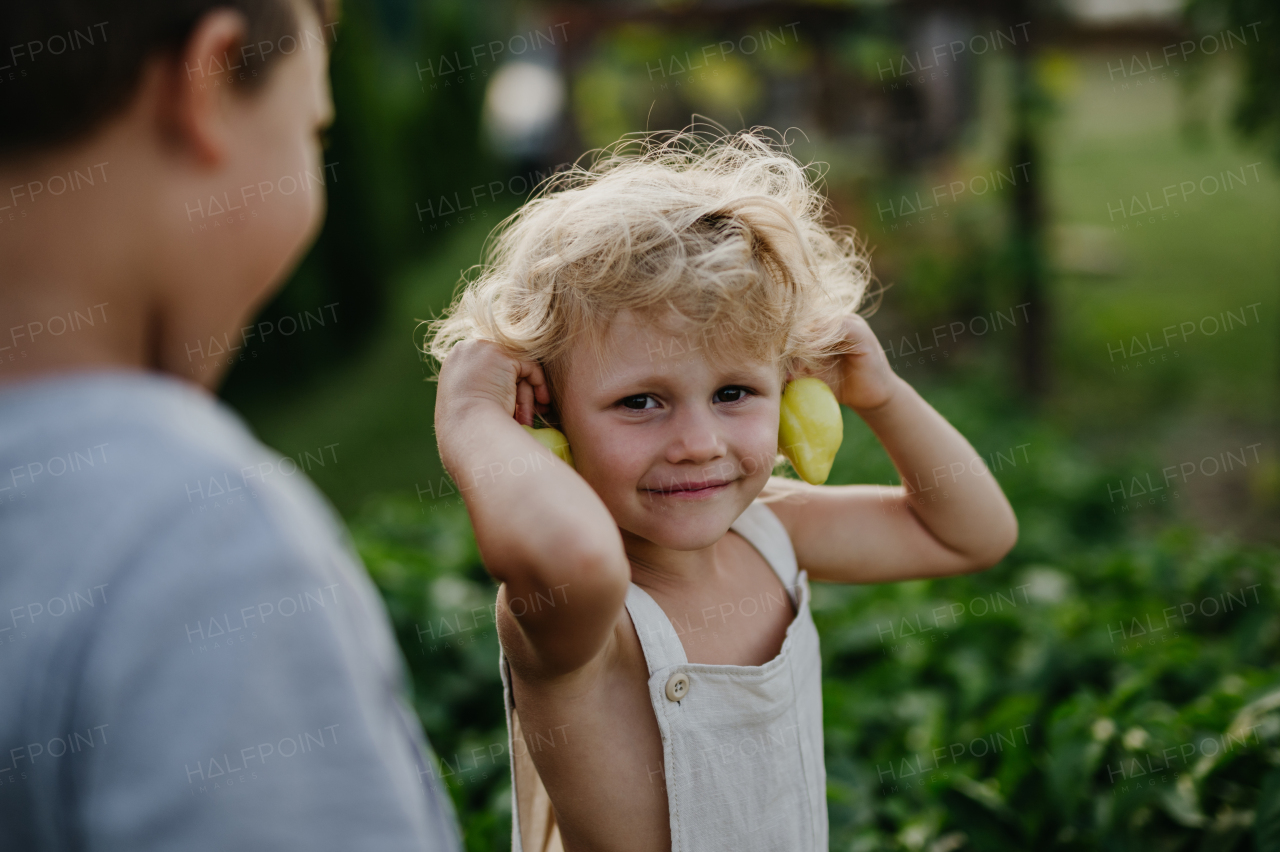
<point>697,438</point>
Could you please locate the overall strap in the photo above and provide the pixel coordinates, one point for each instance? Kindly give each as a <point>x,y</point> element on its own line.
<point>761,527</point>
<point>658,639</point>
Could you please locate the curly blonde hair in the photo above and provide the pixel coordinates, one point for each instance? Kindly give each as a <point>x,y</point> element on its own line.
<point>726,231</point>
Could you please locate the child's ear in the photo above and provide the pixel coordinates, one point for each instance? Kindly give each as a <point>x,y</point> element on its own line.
<point>549,413</point>
<point>550,416</point>
<point>197,112</point>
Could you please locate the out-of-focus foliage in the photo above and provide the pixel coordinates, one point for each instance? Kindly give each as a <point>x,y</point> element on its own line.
<point>1257,108</point>
<point>404,133</point>
<point>441,604</point>
<point>1096,690</point>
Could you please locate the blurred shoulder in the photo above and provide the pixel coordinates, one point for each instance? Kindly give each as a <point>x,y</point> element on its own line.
<point>119,457</point>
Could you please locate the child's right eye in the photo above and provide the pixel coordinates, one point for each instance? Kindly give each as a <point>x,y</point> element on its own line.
<point>638,402</point>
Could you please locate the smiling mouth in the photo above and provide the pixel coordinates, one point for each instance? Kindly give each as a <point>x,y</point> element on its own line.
<point>690,488</point>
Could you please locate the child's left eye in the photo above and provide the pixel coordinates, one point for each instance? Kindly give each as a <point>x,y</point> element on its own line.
<point>731,394</point>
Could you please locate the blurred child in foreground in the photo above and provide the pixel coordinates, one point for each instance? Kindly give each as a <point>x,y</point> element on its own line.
<point>192,656</point>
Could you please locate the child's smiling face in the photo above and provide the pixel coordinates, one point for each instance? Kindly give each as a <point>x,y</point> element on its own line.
<point>676,445</point>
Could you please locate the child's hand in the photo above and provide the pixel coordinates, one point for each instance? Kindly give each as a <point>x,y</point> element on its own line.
<point>479,370</point>
<point>861,378</point>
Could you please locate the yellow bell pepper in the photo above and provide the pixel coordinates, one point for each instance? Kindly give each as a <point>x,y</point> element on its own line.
<point>554,440</point>
<point>810,429</point>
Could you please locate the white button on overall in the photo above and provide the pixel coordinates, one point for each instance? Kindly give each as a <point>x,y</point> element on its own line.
<point>678,686</point>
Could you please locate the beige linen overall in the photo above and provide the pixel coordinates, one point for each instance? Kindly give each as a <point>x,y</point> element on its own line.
<point>742,745</point>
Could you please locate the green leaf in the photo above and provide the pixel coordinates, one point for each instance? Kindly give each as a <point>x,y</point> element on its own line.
<point>1266,826</point>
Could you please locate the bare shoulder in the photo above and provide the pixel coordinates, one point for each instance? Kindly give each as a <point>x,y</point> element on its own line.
<point>788,499</point>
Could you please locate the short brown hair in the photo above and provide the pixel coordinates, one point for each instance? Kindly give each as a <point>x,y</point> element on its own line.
<point>67,65</point>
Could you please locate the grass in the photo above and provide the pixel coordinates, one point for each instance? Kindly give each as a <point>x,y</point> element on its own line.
<point>1219,254</point>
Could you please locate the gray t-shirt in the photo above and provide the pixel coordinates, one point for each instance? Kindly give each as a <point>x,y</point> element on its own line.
<point>191,654</point>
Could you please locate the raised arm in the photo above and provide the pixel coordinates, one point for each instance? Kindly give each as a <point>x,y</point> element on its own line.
<point>948,517</point>
<point>542,532</point>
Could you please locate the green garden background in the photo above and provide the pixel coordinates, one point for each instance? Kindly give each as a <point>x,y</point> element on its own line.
<point>1115,682</point>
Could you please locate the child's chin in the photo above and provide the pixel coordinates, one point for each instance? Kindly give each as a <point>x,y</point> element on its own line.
<point>690,543</point>
<point>691,529</point>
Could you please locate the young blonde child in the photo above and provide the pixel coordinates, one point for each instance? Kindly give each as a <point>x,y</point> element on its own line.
<point>660,665</point>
